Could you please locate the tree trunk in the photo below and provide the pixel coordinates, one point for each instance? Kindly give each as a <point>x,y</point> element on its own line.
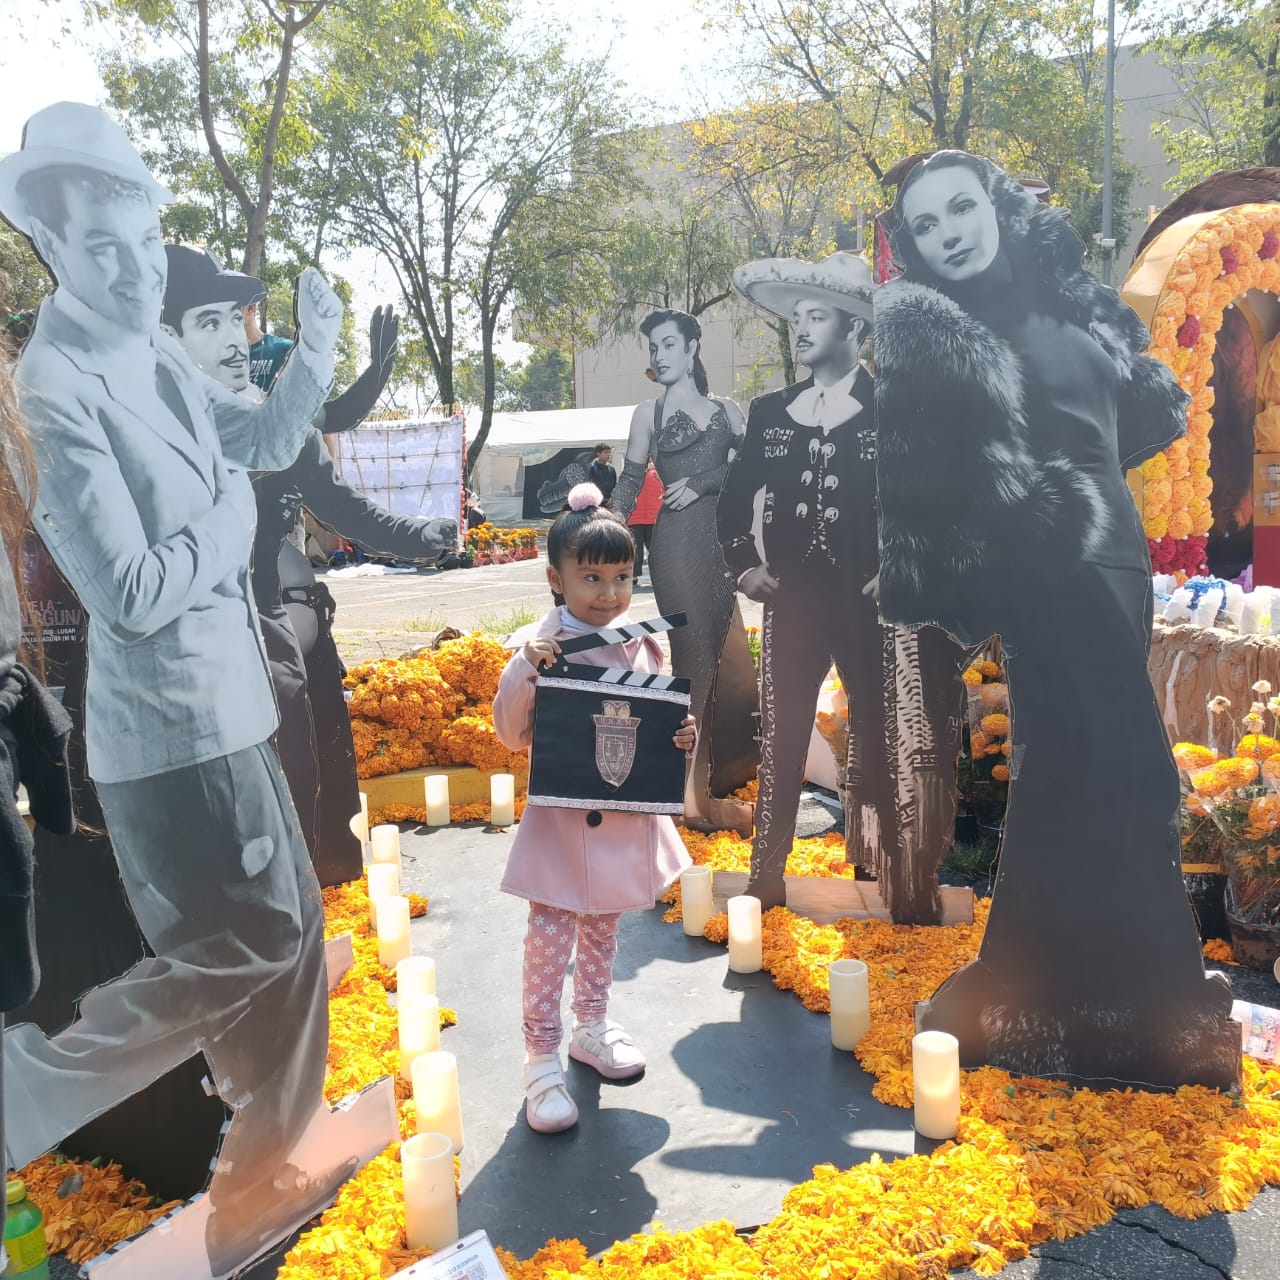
<point>782,331</point>
<point>1271,94</point>
<point>487,326</point>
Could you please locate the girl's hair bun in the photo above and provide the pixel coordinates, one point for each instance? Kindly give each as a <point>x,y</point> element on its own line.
<point>582,497</point>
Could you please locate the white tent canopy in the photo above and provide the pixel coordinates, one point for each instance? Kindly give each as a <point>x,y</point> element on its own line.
<point>520,440</point>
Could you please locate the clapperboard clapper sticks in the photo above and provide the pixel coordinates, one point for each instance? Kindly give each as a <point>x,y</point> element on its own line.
<point>602,735</point>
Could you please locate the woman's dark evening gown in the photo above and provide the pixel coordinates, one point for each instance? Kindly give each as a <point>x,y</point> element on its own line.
<point>1070,971</point>
<point>689,575</point>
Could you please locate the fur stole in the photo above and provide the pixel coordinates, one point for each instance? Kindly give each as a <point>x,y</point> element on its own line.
<point>966,491</point>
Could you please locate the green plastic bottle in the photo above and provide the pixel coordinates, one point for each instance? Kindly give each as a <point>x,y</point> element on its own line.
<point>24,1235</point>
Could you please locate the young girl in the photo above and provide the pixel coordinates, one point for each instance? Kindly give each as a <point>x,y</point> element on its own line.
<point>580,869</point>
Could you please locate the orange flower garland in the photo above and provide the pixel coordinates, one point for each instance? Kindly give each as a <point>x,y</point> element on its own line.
<point>1232,253</point>
<point>1034,1160</point>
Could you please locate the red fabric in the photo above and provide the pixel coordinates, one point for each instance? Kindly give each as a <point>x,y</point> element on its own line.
<point>648,501</point>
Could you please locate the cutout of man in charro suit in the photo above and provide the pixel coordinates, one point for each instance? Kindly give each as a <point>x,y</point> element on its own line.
<point>146,510</point>
<point>810,450</point>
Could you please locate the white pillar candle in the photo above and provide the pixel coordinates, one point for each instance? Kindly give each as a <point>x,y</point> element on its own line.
<point>384,882</point>
<point>418,1022</point>
<point>745,940</point>
<point>435,1096</point>
<point>360,822</point>
<point>436,786</point>
<point>393,931</point>
<point>416,977</point>
<point>850,1003</point>
<point>430,1194</point>
<point>384,843</point>
<point>696,906</point>
<point>502,799</point>
<point>935,1070</point>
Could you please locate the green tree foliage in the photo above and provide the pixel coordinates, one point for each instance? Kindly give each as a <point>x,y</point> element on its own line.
<point>874,81</point>
<point>220,116</point>
<point>476,168</point>
<point>23,279</point>
<point>542,381</point>
<point>1223,57</point>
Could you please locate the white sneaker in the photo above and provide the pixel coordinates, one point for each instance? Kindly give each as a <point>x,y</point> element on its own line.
<point>548,1107</point>
<point>605,1046</point>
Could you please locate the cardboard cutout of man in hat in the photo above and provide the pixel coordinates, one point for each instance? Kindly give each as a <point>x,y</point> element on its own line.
<point>810,450</point>
<point>204,304</point>
<point>146,507</point>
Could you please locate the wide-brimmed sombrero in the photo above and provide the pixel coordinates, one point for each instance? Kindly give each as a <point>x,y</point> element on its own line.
<point>775,285</point>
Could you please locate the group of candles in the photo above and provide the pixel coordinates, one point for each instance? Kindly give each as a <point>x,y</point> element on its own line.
<point>426,1159</point>
<point>935,1055</point>
<point>435,786</point>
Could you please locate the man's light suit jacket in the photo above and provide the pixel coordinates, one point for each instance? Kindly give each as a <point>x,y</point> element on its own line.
<point>126,506</point>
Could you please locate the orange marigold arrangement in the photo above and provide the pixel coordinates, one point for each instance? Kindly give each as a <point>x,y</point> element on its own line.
<point>984,769</point>
<point>1239,794</point>
<point>488,544</point>
<point>435,707</point>
<point>1034,1160</point>
<point>1233,252</point>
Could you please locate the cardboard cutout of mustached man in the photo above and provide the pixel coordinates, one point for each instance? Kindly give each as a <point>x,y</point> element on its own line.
<point>204,309</point>
<point>145,505</point>
<point>1011,392</point>
<point>810,454</point>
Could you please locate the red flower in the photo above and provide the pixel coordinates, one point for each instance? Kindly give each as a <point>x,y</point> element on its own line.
<point>1229,260</point>
<point>1189,332</point>
<point>1270,245</point>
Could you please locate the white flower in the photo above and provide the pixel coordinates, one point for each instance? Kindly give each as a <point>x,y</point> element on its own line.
<point>1257,709</point>
<point>1273,705</point>
<point>1219,705</point>
<point>1261,686</point>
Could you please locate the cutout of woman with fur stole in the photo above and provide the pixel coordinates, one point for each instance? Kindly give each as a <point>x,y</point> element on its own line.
<point>1012,392</point>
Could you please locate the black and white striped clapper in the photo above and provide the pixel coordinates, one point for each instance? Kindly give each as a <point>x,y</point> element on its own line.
<point>602,735</point>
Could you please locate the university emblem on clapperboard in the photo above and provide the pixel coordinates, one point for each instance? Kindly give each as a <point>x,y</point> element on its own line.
<point>616,742</point>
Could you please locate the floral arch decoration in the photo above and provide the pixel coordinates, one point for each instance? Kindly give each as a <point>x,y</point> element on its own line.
<point>1180,286</point>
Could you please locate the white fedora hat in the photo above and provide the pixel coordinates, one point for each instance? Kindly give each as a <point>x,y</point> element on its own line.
<point>775,285</point>
<point>71,133</point>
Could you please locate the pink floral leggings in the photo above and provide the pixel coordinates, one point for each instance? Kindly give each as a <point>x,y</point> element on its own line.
<point>547,948</point>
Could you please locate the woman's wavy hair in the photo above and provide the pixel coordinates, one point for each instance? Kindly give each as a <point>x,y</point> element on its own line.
<point>17,475</point>
<point>690,331</point>
<point>1017,213</point>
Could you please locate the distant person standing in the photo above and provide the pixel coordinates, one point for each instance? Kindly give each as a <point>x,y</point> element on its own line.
<point>267,352</point>
<point>601,472</point>
<point>641,520</point>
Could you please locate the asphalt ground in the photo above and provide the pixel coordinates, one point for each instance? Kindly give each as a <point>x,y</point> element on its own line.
<point>743,1094</point>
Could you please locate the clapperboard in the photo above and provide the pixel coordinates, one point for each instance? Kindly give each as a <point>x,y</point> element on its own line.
<point>602,735</point>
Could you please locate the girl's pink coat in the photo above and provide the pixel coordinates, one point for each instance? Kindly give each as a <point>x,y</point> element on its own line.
<point>557,859</point>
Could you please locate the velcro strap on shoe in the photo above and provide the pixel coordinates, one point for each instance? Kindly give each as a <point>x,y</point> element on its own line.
<point>542,1077</point>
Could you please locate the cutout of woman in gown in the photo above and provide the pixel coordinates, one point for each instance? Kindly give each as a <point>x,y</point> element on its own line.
<point>691,436</point>
<point>1012,391</point>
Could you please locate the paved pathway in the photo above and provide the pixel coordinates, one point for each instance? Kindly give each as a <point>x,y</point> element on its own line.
<point>385,616</point>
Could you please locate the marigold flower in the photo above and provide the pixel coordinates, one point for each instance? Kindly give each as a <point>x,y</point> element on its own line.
<point>1258,746</point>
<point>1191,756</point>
<point>1000,772</point>
<point>995,725</point>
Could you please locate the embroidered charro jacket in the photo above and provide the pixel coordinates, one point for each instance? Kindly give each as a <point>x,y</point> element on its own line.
<point>812,451</point>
